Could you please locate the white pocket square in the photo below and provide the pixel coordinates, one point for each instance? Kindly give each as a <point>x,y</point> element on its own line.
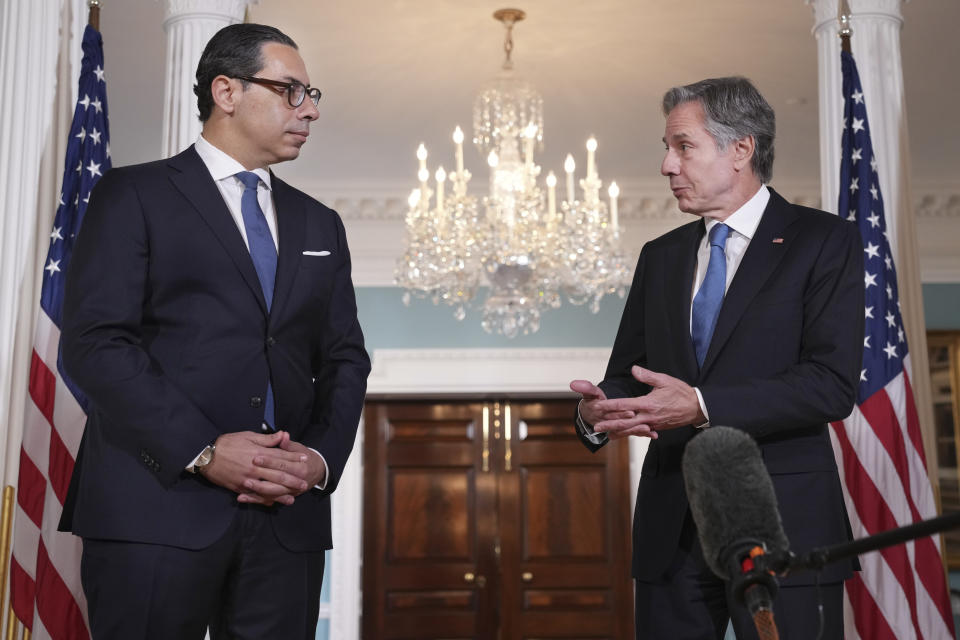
<point>316,253</point>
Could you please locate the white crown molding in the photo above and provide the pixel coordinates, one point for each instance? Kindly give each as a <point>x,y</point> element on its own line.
<point>937,205</point>
<point>638,201</point>
<point>471,371</point>
<point>940,270</point>
<point>374,220</point>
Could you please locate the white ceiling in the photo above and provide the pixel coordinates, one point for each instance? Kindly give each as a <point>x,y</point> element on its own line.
<point>397,72</point>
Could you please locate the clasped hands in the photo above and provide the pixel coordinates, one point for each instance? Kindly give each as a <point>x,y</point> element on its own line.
<point>264,468</point>
<point>670,403</point>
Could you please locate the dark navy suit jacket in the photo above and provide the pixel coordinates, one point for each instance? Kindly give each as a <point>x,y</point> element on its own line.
<point>784,361</point>
<point>166,330</point>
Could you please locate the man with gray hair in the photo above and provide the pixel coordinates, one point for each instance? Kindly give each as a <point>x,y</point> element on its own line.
<point>749,317</point>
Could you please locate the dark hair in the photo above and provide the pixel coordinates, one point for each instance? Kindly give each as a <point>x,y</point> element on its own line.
<point>235,50</point>
<point>734,109</point>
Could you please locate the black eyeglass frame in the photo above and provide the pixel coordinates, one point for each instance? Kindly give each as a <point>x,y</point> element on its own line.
<point>289,88</point>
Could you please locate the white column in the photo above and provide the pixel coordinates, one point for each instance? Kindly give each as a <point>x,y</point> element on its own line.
<point>876,26</point>
<point>189,25</point>
<point>346,559</point>
<point>29,39</point>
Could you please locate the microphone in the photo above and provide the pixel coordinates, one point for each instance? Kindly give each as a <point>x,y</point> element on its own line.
<point>735,510</point>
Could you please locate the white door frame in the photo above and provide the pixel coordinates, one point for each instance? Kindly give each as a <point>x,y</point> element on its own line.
<point>432,372</point>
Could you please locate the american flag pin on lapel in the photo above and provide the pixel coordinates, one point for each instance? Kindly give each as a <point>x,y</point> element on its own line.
<point>778,241</point>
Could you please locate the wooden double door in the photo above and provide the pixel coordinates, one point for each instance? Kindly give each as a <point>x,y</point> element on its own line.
<point>490,521</point>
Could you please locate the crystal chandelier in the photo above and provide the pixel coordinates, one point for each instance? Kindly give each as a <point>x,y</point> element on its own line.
<point>529,250</point>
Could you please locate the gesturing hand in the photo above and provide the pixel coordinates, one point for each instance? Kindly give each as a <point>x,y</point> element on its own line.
<point>591,406</point>
<point>671,403</point>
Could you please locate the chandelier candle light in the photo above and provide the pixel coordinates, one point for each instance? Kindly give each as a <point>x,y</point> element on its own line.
<point>517,241</point>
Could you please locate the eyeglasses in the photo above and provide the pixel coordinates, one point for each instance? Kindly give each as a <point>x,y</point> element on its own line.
<point>296,91</point>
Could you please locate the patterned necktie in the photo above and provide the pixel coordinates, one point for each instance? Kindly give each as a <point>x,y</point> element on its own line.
<point>706,304</point>
<point>264,255</point>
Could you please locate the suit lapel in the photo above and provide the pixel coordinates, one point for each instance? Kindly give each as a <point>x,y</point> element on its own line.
<point>291,223</point>
<point>191,178</point>
<point>681,265</point>
<point>761,258</point>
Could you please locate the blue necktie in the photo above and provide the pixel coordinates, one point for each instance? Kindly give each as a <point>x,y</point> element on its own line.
<point>264,255</point>
<point>706,304</point>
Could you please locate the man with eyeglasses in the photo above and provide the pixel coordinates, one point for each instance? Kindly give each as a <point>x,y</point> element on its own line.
<point>210,319</point>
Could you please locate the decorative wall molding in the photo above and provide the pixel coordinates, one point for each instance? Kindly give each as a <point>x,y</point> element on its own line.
<point>374,220</point>
<point>470,371</point>
<point>940,203</point>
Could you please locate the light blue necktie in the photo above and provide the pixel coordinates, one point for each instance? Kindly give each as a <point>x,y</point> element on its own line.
<point>264,254</point>
<point>706,304</point>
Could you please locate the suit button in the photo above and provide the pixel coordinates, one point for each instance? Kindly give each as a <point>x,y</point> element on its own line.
<point>271,341</point>
<point>256,402</point>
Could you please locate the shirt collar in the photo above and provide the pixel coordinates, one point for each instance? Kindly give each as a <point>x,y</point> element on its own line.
<point>745,219</point>
<point>222,166</point>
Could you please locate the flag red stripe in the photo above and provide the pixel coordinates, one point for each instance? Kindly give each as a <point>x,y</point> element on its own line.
<point>882,417</point>
<point>913,421</point>
<point>22,589</point>
<point>31,489</point>
<point>43,386</point>
<point>929,564</point>
<point>931,573</point>
<point>55,604</point>
<point>869,619</point>
<point>61,466</point>
<point>880,413</point>
<point>876,517</point>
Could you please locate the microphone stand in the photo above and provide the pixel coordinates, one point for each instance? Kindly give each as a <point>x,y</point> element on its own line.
<point>754,569</point>
<point>784,562</point>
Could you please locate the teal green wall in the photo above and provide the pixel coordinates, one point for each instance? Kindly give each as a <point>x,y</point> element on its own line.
<point>388,324</point>
<point>941,305</point>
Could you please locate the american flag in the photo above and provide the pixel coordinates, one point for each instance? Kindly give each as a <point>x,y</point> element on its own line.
<point>45,568</point>
<point>901,592</point>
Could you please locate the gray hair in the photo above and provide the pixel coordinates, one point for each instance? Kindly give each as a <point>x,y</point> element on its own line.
<point>734,109</point>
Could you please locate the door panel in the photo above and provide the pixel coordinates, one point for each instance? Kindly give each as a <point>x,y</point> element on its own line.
<point>491,521</point>
<point>565,531</point>
<point>423,537</point>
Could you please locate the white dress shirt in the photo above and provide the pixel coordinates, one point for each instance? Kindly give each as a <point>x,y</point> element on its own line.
<point>743,224</point>
<point>224,169</point>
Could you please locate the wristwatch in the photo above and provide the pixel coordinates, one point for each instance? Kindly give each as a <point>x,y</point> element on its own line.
<point>205,458</point>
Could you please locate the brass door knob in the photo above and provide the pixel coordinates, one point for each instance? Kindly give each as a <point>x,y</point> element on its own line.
<point>480,581</point>
<point>527,576</point>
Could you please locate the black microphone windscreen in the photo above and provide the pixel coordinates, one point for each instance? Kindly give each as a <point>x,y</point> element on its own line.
<point>731,495</point>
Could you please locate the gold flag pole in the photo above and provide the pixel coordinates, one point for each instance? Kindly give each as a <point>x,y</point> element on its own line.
<point>6,525</point>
